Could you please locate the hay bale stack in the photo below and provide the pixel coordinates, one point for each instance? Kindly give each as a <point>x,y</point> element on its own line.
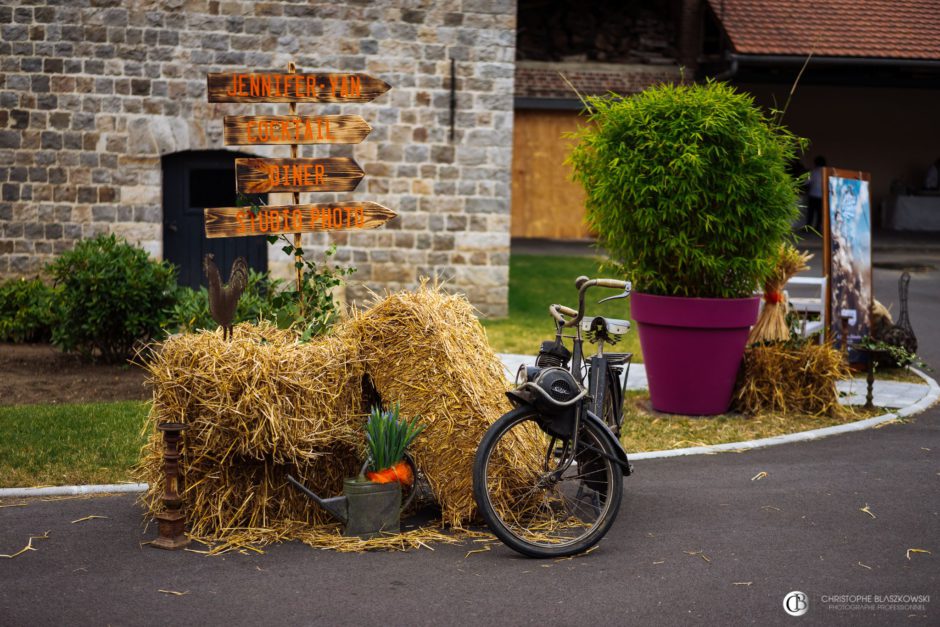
<point>262,395</point>
<point>427,351</point>
<point>262,405</point>
<point>258,406</point>
<point>785,379</point>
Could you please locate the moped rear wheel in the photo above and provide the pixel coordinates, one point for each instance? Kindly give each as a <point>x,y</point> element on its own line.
<point>531,506</point>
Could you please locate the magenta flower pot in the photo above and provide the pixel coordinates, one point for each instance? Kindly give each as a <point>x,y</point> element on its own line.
<point>692,348</point>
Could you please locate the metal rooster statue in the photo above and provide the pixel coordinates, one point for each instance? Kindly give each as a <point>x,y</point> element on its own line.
<point>223,299</point>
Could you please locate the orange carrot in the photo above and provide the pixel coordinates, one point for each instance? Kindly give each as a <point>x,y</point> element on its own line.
<point>386,475</point>
<point>400,472</point>
<point>403,472</point>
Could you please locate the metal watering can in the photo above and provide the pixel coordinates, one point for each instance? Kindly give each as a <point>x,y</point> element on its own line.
<point>367,509</point>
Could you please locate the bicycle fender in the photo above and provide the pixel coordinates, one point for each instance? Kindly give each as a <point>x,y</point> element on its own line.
<point>520,397</point>
<point>620,455</point>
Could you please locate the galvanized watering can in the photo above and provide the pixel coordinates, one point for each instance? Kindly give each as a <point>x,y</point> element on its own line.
<point>367,509</point>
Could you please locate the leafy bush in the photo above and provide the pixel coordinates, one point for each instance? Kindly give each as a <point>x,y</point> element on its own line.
<point>257,302</point>
<point>25,311</point>
<point>111,295</point>
<point>687,188</point>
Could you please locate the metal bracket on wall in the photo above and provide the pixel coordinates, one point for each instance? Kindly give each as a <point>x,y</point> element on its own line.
<point>453,96</point>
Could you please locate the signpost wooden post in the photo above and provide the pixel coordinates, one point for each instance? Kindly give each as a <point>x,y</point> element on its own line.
<point>295,175</point>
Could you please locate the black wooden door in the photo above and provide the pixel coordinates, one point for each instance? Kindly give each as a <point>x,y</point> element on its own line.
<point>193,181</point>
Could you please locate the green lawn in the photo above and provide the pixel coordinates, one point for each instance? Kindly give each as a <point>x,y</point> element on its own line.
<point>537,281</point>
<point>70,444</point>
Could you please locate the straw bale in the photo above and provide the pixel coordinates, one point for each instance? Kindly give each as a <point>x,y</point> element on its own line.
<point>427,351</point>
<point>791,379</point>
<point>261,395</point>
<point>257,407</point>
<point>241,495</point>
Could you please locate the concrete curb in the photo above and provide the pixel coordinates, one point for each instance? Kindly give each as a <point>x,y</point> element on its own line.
<point>931,397</point>
<point>72,490</point>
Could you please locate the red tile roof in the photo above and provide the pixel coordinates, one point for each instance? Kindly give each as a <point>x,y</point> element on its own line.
<point>896,29</point>
<point>543,79</point>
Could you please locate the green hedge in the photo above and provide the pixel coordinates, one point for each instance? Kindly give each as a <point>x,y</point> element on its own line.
<point>111,294</point>
<point>25,311</point>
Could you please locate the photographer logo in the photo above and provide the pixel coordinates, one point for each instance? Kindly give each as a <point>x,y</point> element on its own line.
<point>796,603</point>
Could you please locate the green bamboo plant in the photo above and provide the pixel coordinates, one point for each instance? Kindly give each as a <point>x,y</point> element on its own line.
<point>687,187</point>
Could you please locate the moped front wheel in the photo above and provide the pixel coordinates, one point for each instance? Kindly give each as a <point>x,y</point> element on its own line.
<point>537,495</point>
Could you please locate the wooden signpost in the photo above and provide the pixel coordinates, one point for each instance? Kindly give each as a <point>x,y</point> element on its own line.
<point>291,87</point>
<point>247,130</point>
<point>330,174</point>
<point>276,219</point>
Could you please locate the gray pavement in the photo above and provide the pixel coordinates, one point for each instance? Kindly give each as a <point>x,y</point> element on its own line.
<point>699,540</point>
<point>704,540</point>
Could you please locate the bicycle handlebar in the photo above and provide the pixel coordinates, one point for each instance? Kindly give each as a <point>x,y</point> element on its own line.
<point>559,311</point>
<point>583,283</point>
<point>612,283</point>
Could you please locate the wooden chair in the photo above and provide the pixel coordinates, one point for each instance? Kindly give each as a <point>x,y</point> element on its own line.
<point>811,307</point>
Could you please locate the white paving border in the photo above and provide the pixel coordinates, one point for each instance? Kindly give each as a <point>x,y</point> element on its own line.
<point>933,393</point>
<point>72,490</point>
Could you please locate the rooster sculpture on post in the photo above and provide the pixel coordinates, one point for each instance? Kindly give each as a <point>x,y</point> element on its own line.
<point>223,299</point>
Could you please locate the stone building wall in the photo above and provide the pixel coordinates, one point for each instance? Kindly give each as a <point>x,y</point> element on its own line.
<point>94,92</point>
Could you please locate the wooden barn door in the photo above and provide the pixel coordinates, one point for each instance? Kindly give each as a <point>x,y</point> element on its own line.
<point>193,181</point>
<point>546,203</point>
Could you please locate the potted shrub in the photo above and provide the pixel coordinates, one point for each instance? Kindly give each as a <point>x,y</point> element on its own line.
<point>688,191</point>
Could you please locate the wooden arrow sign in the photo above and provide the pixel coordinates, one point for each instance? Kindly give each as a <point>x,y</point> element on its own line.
<point>331,174</point>
<point>286,87</point>
<point>271,220</point>
<point>294,129</point>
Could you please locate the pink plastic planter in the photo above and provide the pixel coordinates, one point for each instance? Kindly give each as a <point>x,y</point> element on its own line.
<point>692,348</point>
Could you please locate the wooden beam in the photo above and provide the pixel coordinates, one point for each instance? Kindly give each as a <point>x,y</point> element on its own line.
<point>242,130</point>
<point>286,87</point>
<point>272,220</point>
<point>330,174</point>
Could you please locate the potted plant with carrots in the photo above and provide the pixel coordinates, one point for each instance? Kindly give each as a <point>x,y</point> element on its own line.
<point>371,504</point>
<point>387,438</point>
<point>689,193</point>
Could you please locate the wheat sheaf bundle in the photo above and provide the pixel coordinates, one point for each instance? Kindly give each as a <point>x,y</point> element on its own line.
<point>771,325</point>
